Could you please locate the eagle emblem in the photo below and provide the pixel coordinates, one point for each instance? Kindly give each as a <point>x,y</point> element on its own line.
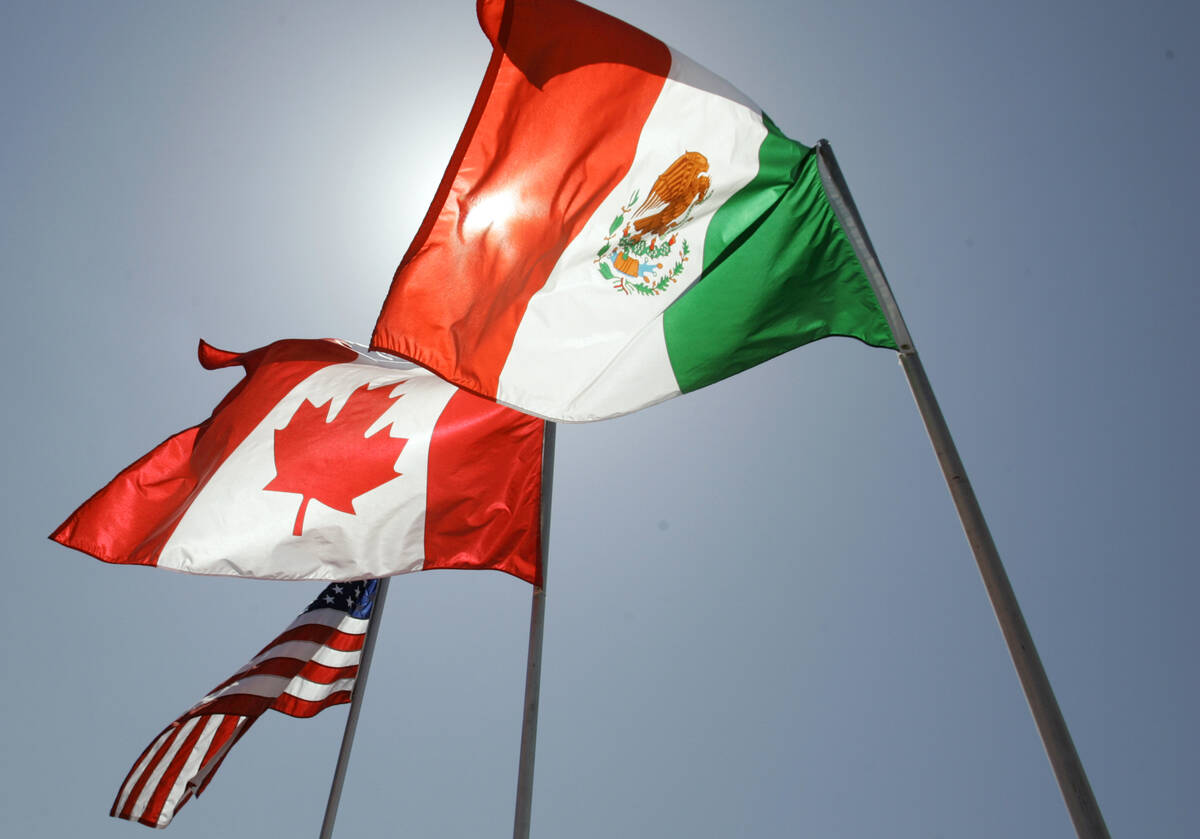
<point>642,252</point>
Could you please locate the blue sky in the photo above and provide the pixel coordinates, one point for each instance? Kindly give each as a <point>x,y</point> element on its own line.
<point>763,618</point>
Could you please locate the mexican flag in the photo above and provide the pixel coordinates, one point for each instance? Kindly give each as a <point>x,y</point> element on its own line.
<point>328,462</point>
<point>617,225</point>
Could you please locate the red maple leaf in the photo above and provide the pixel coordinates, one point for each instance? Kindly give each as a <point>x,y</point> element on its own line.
<point>335,461</point>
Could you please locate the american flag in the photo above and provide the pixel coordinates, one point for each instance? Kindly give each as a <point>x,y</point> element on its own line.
<point>310,666</point>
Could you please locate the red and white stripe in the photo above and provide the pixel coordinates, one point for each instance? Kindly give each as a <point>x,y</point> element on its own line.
<point>310,666</point>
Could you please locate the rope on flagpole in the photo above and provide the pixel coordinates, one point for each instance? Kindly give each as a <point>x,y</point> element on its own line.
<point>1064,759</point>
<point>360,688</point>
<point>533,670</point>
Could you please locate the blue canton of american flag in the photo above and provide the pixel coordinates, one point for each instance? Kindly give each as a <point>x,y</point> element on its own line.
<point>309,667</point>
<point>356,599</point>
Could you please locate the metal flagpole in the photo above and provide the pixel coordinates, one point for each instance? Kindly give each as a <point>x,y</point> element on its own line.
<point>533,668</point>
<point>1064,760</point>
<point>360,687</point>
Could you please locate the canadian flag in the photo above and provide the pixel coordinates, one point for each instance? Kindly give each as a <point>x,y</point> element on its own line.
<point>328,462</point>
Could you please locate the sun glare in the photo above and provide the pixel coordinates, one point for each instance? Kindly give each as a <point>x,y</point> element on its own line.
<point>492,211</point>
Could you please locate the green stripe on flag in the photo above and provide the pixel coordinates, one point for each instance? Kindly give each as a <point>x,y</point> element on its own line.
<point>779,273</point>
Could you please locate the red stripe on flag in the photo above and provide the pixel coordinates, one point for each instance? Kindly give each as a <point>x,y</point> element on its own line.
<point>291,668</point>
<point>484,450</point>
<point>147,771</point>
<point>271,667</point>
<point>228,728</point>
<point>554,128</point>
<point>154,806</point>
<point>324,675</point>
<point>250,705</point>
<point>330,636</point>
<point>236,704</point>
<point>113,810</point>
<point>295,707</point>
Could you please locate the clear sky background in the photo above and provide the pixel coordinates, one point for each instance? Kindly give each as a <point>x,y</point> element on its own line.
<point>763,619</point>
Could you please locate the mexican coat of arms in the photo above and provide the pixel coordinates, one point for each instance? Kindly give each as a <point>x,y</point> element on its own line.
<point>643,253</point>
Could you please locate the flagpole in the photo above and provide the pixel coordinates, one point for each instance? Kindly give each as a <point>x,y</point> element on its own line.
<point>1064,760</point>
<point>533,668</point>
<point>360,687</point>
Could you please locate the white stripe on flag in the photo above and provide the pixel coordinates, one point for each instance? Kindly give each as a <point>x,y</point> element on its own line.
<point>131,781</point>
<point>314,691</point>
<point>160,768</point>
<point>331,617</point>
<point>274,686</point>
<point>309,651</point>
<point>190,767</point>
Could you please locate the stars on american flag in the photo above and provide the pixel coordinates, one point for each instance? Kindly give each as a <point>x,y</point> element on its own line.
<point>353,598</point>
